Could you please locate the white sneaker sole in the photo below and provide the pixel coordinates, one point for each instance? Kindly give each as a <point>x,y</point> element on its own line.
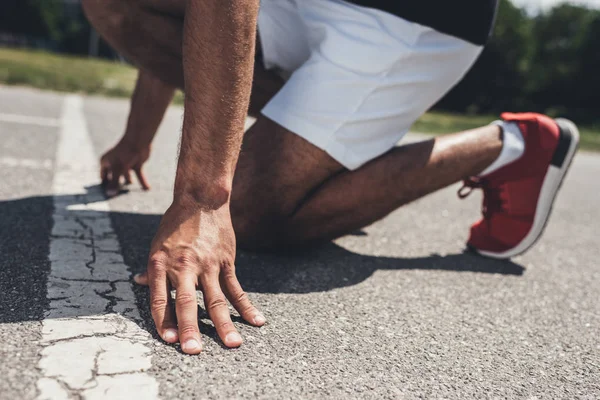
<point>561,161</point>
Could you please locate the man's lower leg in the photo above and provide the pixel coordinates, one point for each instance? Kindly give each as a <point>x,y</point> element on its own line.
<point>354,199</point>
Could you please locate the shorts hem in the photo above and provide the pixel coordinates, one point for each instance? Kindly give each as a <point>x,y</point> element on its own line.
<point>318,137</point>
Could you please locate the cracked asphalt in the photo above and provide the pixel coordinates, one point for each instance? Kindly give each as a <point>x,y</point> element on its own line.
<point>394,311</point>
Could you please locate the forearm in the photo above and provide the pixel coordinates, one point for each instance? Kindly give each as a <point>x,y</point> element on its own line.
<point>149,103</point>
<point>218,61</point>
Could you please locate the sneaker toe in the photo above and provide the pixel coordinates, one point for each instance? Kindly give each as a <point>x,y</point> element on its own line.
<point>503,234</point>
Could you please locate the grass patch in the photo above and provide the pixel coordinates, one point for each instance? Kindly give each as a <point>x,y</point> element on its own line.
<point>442,123</point>
<point>65,73</point>
<point>590,138</point>
<point>50,71</point>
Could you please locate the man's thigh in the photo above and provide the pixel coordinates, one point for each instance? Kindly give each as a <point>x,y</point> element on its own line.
<point>276,171</point>
<point>174,8</point>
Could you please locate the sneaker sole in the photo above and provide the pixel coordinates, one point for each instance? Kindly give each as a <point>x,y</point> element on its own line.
<point>559,166</point>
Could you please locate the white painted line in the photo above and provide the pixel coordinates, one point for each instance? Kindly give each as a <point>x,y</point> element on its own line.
<point>249,122</point>
<point>93,346</point>
<point>25,163</point>
<point>29,120</point>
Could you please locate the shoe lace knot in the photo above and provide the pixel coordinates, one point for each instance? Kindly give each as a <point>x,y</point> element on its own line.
<point>493,200</point>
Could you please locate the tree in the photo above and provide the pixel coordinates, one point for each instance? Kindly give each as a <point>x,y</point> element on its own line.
<point>588,86</point>
<point>35,18</point>
<point>54,24</point>
<point>565,64</point>
<point>497,79</point>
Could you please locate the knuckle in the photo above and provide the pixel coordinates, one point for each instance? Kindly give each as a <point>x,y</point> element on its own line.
<point>241,298</point>
<point>186,299</point>
<point>228,270</point>
<point>215,304</point>
<point>225,326</point>
<point>158,303</point>
<point>185,261</point>
<point>188,329</point>
<point>187,256</point>
<point>157,262</point>
<point>180,269</point>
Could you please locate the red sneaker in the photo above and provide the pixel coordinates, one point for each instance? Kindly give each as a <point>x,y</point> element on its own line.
<point>518,198</point>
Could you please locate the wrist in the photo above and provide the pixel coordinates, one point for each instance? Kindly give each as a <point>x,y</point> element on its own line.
<point>201,192</point>
<point>133,143</point>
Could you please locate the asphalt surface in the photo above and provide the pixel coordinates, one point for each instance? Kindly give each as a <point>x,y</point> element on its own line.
<point>394,311</point>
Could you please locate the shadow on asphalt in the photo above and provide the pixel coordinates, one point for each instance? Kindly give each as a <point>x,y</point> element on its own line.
<point>317,270</point>
<point>26,224</point>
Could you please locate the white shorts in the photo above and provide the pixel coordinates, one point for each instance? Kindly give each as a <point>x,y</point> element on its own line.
<point>357,78</point>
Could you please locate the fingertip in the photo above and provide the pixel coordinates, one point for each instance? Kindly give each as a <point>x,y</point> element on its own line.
<point>141,279</point>
<point>170,336</point>
<point>191,346</point>
<point>103,174</point>
<point>259,320</point>
<point>142,178</point>
<point>233,339</point>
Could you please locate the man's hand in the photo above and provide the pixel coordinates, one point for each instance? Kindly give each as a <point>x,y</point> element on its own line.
<point>195,249</point>
<point>117,163</point>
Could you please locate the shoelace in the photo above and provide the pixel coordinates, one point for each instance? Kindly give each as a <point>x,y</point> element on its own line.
<point>492,197</point>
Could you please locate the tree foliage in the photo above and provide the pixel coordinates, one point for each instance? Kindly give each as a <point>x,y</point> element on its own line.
<point>565,66</point>
<point>548,63</point>
<point>37,18</point>
<point>498,76</point>
<point>54,24</point>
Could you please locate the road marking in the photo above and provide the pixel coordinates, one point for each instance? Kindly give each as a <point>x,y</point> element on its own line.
<point>249,122</point>
<point>29,120</point>
<point>93,346</point>
<point>25,163</point>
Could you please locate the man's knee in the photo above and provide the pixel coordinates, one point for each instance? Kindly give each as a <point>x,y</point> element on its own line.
<point>257,228</point>
<point>109,17</point>
<point>275,173</point>
<point>104,13</point>
<point>261,219</point>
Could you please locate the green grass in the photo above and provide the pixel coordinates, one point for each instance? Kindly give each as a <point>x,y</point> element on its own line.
<point>590,138</point>
<point>63,73</point>
<point>76,74</point>
<point>441,123</point>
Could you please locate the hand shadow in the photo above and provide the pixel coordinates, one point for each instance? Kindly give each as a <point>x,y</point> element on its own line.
<point>317,270</point>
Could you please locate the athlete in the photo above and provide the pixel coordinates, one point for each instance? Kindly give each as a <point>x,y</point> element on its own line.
<point>334,85</point>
